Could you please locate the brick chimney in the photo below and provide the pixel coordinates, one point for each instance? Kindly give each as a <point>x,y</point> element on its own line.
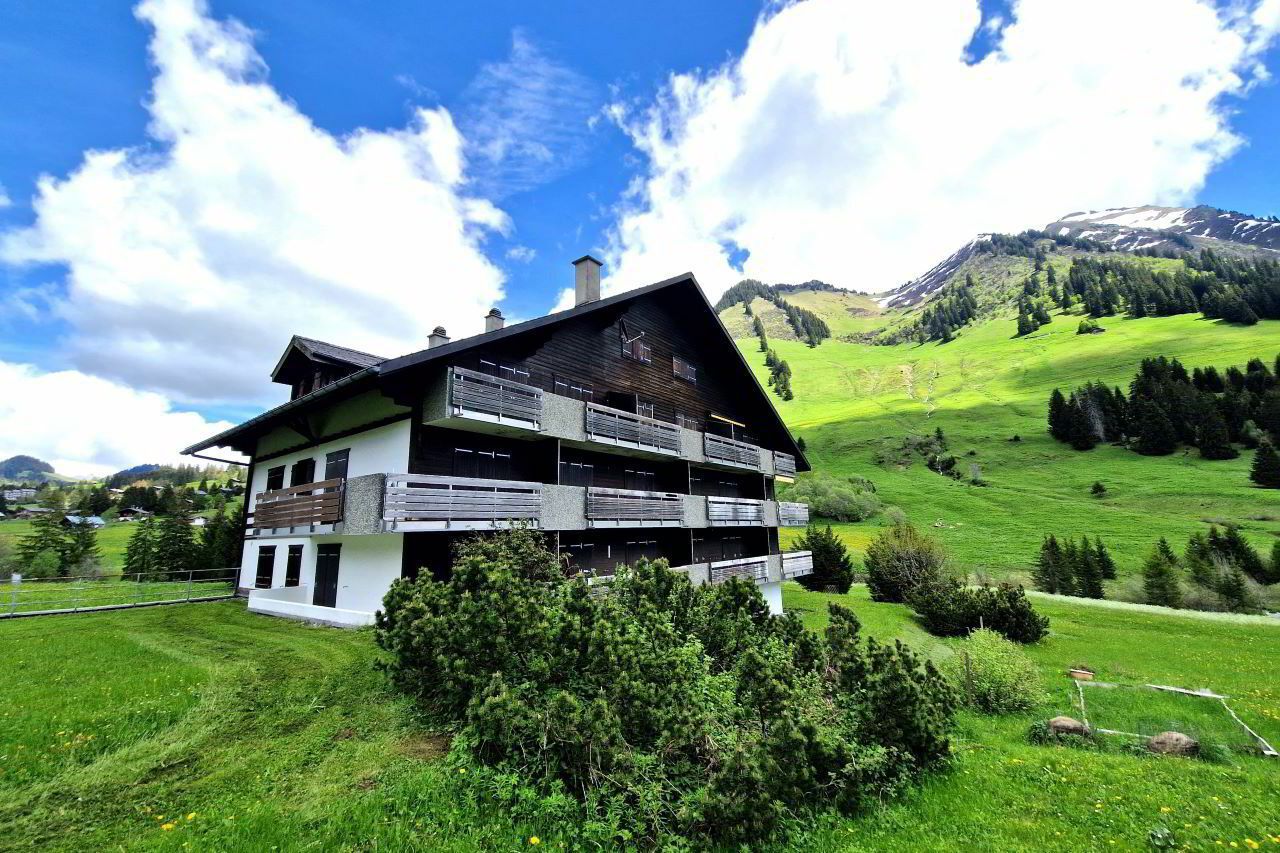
<point>493,320</point>
<point>586,280</point>
<point>439,337</point>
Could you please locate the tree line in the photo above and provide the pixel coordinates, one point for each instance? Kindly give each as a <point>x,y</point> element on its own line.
<point>955,307</point>
<point>1167,407</point>
<point>808,326</point>
<point>1215,570</point>
<point>1071,568</point>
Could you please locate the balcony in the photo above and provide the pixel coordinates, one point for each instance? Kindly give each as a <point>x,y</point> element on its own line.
<point>624,429</point>
<point>734,512</point>
<point>727,451</point>
<point>749,568</point>
<point>479,396</point>
<point>784,465</point>
<point>797,564</point>
<point>308,506</point>
<point>792,514</point>
<point>425,502</point>
<point>625,508</point>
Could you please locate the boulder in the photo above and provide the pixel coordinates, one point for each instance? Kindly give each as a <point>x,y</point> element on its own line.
<point>1068,726</point>
<point>1173,743</point>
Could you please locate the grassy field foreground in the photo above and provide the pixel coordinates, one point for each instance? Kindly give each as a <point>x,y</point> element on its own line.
<point>205,725</point>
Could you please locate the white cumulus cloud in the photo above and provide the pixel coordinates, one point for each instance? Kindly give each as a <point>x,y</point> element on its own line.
<point>858,143</point>
<point>89,427</point>
<point>192,259</point>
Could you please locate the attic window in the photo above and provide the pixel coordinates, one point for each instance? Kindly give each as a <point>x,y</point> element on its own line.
<point>633,345</point>
<point>683,369</point>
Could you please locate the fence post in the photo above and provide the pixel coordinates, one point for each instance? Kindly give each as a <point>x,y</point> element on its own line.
<point>190,572</point>
<point>15,583</point>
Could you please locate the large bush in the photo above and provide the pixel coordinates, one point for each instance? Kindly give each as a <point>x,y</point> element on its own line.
<point>995,675</point>
<point>949,608</point>
<point>900,559</point>
<point>849,499</point>
<point>660,709</point>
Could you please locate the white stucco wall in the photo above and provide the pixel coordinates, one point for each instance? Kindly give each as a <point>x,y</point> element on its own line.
<point>773,595</point>
<point>366,567</point>
<point>384,450</point>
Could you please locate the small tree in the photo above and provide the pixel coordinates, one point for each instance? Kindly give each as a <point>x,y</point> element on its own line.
<point>1050,567</point>
<point>175,544</point>
<point>1088,574</point>
<point>1266,467</point>
<point>1160,577</point>
<point>48,534</point>
<point>82,555</point>
<point>140,553</point>
<point>900,559</point>
<point>1098,490</point>
<point>1102,557</point>
<point>832,566</point>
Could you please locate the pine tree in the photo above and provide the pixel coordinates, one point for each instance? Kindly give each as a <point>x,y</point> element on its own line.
<point>1047,575</point>
<point>1106,565</point>
<point>82,555</point>
<point>1156,436</point>
<point>1067,584</point>
<point>1025,324</point>
<point>1266,467</point>
<point>1232,590</point>
<point>175,544</point>
<point>1088,574</point>
<point>140,554</point>
<point>219,544</point>
<point>1242,555</point>
<point>48,535</point>
<point>1213,439</point>
<point>1058,415</point>
<point>1199,560</point>
<point>832,566</point>
<point>1160,577</point>
<point>1080,430</point>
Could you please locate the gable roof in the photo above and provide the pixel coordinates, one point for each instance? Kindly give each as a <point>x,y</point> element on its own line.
<point>323,350</point>
<point>380,369</point>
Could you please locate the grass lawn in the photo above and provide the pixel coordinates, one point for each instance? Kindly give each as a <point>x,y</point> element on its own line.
<point>986,387</point>
<point>244,732</point>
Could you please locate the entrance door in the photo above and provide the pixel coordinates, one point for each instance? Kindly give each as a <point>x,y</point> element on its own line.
<point>326,584</point>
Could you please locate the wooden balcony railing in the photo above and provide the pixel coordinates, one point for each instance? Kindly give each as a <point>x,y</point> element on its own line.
<point>797,563</point>
<point>784,464</point>
<point>473,394</point>
<point>427,502</point>
<point>731,452</point>
<point>624,429</point>
<point>729,512</point>
<point>307,505</point>
<point>793,514</point>
<point>754,568</point>
<point>626,508</point>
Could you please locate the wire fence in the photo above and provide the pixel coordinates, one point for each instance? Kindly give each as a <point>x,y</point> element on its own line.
<point>50,596</point>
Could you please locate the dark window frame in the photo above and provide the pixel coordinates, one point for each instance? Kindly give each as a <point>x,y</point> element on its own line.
<point>293,566</point>
<point>335,460</point>
<point>258,580</point>
<point>275,476</point>
<point>684,369</point>
<point>302,472</point>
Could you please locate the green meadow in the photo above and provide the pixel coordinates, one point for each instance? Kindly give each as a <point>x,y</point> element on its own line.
<point>987,387</point>
<point>112,539</point>
<point>206,727</point>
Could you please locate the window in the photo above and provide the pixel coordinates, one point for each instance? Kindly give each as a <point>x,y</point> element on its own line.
<point>489,464</point>
<point>293,566</point>
<point>573,388</point>
<point>640,481</point>
<point>275,478</point>
<point>688,421</point>
<point>636,349</point>
<point>266,565</point>
<point>335,464</point>
<point>577,473</point>
<point>683,369</point>
<point>302,472</point>
<point>644,408</point>
<point>502,370</point>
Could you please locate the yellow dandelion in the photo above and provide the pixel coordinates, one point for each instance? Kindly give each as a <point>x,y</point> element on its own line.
<point>1251,844</point>
<point>166,826</point>
<point>535,840</point>
<point>191,816</point>
<point>1165,810</point>
<point>462,770</point>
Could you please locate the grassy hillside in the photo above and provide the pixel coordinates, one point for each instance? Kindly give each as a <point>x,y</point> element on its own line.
<point>986,387</point>
<point>207,727</point>
<point>112,539</point>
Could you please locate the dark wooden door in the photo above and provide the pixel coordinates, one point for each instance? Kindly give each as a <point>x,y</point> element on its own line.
<point>326,585</point>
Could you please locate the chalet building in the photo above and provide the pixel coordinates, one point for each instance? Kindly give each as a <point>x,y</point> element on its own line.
<point>624,427</point>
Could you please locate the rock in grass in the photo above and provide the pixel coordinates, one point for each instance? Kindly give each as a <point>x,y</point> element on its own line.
<point>1068,726</point>
<point>1173,743</point>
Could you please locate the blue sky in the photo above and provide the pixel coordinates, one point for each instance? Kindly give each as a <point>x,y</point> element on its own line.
<point>777,150</point>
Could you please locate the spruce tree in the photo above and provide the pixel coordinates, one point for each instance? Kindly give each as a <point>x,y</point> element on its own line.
<point>1080,430</point>
<point>140,554</point>
<point>82,555</point>
<point>1232,590</point>
<point>1199,559</point>
<point>1047,575</point>
<point>175,548</point>
<point>1242,555</point>
<point>1213,439</point>
<point>48,534</point>
<point>1266,467</point>
<point>1058,415</point>
<point>1088,574</point>
<point>1160,577</point>
<point>832,566</point>
<point>1156,436</point>
<point>1106,565</point>
<point>1067,584</point>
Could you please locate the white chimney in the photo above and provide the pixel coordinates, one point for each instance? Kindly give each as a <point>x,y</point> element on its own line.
<point>493,320</point>
<point>438,337</point>
<point>586,280</point>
